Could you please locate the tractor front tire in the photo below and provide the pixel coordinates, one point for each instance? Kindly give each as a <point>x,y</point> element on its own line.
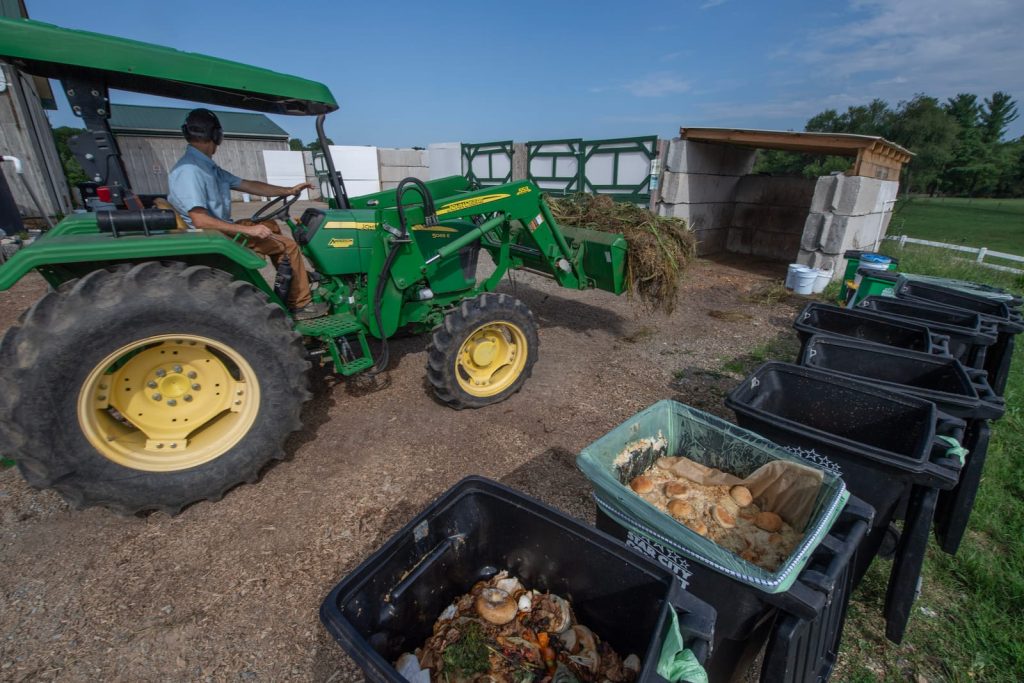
<point>483,351</point>
<point>150,387</point>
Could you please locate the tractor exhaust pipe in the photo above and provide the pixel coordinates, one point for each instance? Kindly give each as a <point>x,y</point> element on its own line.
<point>337,184</point>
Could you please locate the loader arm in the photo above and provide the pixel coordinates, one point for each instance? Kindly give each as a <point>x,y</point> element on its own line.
<point>519,230</point>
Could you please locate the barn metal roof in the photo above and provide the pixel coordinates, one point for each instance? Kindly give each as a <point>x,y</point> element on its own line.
<point>144,120</point>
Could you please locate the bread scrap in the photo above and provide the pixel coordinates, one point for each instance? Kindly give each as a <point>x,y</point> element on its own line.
<point>726,515</point>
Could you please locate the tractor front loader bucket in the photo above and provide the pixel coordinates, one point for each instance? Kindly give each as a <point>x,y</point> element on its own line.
<point>603,257</point>
<point>600,255</point>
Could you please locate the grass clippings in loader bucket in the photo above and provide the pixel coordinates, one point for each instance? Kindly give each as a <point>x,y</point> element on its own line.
<point>659,247</point>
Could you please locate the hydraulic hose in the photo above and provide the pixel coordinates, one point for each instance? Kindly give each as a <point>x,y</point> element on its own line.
<point>430,213</point>
<point>430,218</point>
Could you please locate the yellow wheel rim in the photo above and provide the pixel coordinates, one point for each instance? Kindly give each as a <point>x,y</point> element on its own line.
<point>168,403</point>
<point>491,359</point>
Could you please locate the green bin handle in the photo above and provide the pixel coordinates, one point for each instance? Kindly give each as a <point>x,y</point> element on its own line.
<point>955,450</point>
<point>677,662</point>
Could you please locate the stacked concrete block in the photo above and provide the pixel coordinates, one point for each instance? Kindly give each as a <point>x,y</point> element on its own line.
<point>444,159</point>
<point>397,164</point>
<point>769,215</point>
<point>698,184</point>
<point>694,188</point>
<point>847,212</point>
<point>307,164</point>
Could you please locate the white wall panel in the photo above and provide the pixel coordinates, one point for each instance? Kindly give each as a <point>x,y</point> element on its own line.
<point>358,167</point>
<point>285,168</point>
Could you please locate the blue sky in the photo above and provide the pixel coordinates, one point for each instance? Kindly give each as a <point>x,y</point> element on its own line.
<point>414,73</point>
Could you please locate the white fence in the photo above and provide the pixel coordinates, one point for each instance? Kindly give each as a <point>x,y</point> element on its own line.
<point>981,252</point>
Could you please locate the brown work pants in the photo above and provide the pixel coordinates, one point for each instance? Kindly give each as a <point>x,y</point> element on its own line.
<point>276,246</point>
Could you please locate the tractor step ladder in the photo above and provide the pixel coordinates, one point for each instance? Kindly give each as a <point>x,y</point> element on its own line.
<point>332,328</point>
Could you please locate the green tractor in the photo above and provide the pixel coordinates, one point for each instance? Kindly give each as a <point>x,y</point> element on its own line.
<point>162,368</point>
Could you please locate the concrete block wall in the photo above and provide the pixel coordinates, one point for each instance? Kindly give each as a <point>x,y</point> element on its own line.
<point>396,164</point>
<point>307,163</point>
<point>768,216</point>
<point>444,159</point>
<point>847,212</point>
<point>698,184</point>
<point>393,164</point>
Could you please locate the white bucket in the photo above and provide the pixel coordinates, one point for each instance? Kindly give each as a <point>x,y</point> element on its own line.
<point>794,268</point>
<point>821,281</point>
<point>805,281</point>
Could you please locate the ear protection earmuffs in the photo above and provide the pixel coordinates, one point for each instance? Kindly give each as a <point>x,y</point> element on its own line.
<point>202,125</point>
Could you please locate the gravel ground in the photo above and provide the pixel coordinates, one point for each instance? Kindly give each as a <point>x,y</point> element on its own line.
<point>230,590</point>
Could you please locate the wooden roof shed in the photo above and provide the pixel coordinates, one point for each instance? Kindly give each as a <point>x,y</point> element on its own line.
<point>873,156</point>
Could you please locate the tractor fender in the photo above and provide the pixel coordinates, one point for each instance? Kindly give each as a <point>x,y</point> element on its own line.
<point>59,257</point>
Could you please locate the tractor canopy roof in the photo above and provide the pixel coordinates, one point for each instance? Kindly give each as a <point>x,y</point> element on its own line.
<point>51,51</point>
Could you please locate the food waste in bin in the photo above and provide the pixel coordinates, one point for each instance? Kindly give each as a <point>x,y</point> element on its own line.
<point>758,517</point>
<point>501,631</point>
<point>723,512</point>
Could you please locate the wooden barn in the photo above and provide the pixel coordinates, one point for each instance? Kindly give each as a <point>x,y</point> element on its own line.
<point>151,142</point>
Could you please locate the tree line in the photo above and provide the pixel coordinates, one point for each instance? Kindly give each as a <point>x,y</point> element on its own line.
<point>296,145</point>
<point>959,145</point>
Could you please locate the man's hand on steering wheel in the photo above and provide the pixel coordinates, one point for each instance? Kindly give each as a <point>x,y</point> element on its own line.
<point>300,187</point>
<point>278,208</point>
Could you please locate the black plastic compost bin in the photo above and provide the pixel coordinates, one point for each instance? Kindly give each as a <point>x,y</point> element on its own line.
<point>805,650</point>
<point>748,612</point>
<point>803,638</point>
<point>885,445</point>
<point>953,511</point>
<point>867,326</point>
<point>956,390</point>
<point>969,334</point>
<point>389,604</point>
<point>980,302</point>
<point>1010,321</point>
<point>968,287</point>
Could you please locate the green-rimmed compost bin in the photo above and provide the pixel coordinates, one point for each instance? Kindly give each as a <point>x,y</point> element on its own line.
<point>850,283</point>
<point>811,587</point>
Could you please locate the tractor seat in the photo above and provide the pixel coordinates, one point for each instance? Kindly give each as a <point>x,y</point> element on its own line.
<point>161,203</point>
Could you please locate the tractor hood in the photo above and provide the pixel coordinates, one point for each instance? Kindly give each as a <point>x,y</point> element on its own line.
<point>53,52</point>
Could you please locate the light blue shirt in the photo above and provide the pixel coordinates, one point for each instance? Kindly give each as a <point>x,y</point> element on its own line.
<point>197,182</point>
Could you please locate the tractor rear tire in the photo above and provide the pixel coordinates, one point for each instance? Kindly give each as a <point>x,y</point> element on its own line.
<point>483,351</point>
<point>81,376</point>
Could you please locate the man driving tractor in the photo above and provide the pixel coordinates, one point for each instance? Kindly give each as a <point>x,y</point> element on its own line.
<point>200,192</point>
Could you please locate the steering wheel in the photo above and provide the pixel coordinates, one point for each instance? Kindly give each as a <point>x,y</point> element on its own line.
<point>277,208</point>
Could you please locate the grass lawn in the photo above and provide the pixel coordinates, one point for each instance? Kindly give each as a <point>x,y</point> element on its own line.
<point>994,223</point>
